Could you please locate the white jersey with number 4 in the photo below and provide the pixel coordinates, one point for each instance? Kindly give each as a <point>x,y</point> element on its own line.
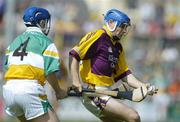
<point>29,59</point>
<point>31,56</point>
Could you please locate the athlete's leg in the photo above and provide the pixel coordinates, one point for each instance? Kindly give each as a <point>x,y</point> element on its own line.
<point>47,117</point>
<point>119,111</point>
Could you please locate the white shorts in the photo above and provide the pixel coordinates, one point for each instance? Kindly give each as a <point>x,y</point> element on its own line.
<point>25,97</point>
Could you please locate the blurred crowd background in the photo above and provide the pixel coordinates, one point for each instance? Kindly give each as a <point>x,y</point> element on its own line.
<point>152,47</point>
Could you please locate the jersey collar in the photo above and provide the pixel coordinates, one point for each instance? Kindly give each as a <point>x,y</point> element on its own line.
<point>36,29</point>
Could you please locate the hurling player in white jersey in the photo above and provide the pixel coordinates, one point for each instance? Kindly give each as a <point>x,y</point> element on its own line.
<point>31,60</point>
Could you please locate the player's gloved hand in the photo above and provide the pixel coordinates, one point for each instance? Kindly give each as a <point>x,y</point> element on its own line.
<point>151,89</point>
<point>77,87</point>
<point>139,94</point>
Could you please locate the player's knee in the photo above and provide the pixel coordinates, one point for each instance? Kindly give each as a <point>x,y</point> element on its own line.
<point>134,117</point>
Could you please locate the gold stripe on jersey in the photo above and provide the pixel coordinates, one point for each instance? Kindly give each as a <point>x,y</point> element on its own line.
<point>25,72</point>
<point>99,80</point>
<point>85,70</point>
<point>122,65</point>
<point>86,42</point>
<point>91,78</point>
<point>51,53</point>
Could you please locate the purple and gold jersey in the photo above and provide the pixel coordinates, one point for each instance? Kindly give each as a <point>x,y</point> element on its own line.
<point>103,60</point>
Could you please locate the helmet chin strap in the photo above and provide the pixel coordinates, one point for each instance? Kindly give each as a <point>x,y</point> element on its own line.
<point>115,38</point>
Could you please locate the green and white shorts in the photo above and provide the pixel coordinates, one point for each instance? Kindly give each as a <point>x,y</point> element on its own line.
<point>25,97</point>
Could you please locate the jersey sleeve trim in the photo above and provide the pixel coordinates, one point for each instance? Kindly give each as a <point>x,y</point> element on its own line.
<point>51,51</point>
<point>51,54</point>
<point>122,75</point>
<point>74,54</point>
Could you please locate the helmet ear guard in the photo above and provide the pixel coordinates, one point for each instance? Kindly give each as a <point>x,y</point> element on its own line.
<point>111,29</point>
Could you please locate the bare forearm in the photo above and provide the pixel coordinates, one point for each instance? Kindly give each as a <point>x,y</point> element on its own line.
<point>132,81</point>
<point>53,81</point>
<point>51,78</point>
<point>76,83</point>
<point>75,71</point>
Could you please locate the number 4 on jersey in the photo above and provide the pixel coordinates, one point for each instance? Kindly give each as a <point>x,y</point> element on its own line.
<point>21,50</point>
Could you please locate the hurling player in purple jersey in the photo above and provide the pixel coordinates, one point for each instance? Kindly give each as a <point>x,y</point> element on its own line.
<point>98,61</point>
